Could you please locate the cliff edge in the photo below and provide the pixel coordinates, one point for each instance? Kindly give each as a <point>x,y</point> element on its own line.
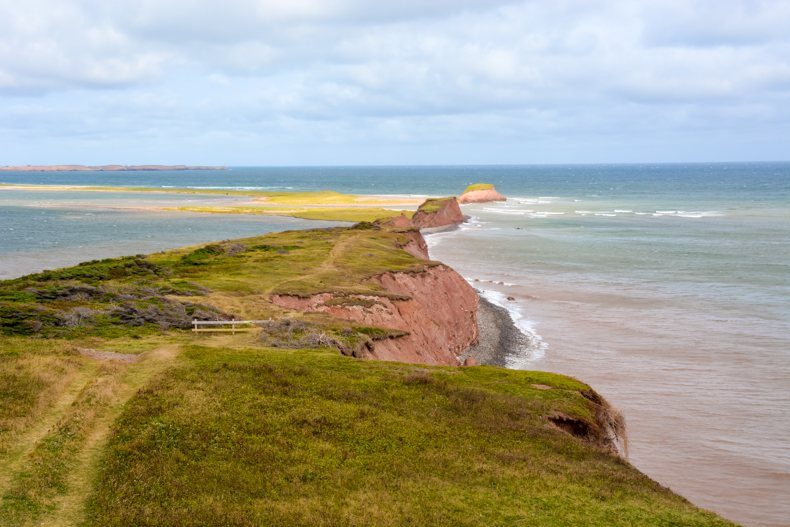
<point>434,312</point>
<point>438,212</point>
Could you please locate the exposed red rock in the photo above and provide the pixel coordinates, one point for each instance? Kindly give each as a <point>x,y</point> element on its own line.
<point>481,196</point>
<point>435,213</point>
<point>436,307</point>
<point>399,222</point>
<point>416,245</point>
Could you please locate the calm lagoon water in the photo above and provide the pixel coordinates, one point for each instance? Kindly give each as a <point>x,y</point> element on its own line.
<point>665,287</point>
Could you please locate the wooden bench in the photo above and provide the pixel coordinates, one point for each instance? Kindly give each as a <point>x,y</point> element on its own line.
<point>206,326</point>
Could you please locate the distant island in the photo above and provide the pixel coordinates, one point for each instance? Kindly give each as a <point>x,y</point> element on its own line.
<point>104,168</point>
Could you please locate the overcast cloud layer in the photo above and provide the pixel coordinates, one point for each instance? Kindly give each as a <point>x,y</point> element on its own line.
<point>261,82</point>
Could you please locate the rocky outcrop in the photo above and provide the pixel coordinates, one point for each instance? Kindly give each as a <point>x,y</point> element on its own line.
<point>481,193</point>
<point>435,308</point>
<point>440,212</point>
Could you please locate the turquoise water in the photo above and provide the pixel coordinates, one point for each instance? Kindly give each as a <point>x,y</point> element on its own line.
<point>34,238</point>
<point>666,287</point>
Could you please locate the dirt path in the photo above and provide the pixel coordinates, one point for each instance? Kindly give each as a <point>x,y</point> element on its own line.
<point>12,462</point>
<point>47,486</point>
<point>327,265</point>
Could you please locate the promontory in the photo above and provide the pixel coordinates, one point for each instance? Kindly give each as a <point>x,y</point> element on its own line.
<point>297,378</point>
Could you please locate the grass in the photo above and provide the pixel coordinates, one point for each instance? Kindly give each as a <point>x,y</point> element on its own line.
<point>233,431</point>
<point>478,186</point>
<point>313,205</point>
<point>366,214</point>
<point>298,198</point>
<point>306,437</point>
<point>146,295</point>
<point>432,205</point>
<point>348,214</point>
<point>57,407</point>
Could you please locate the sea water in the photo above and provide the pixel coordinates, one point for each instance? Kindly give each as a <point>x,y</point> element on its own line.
<point>665,287</point>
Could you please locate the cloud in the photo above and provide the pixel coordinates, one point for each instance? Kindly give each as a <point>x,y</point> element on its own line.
<point>350,73</point>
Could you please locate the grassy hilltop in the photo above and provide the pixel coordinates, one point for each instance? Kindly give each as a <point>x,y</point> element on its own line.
<point>113,413</point>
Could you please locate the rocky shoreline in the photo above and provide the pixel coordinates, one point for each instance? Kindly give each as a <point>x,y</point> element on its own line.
<point>499,336</point>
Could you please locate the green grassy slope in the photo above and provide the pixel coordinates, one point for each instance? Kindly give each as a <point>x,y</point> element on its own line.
<point>142,295</point>
<point>268,437</point>
<point>113,413</point>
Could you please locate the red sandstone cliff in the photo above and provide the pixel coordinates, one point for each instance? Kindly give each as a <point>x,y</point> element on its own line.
<point>481,196</point>
<point>415,245</point>
<point>436,307</point>
<point>435,213</point>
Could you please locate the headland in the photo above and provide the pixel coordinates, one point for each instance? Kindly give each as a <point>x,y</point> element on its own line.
<point>342,404</point>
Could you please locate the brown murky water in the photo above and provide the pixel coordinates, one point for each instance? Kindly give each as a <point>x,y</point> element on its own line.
<point>697,359</point>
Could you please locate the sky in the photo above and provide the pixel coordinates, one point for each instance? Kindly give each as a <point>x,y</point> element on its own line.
<point>359,82</point>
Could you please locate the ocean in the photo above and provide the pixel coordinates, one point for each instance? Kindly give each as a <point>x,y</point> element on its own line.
<point>665,287</point>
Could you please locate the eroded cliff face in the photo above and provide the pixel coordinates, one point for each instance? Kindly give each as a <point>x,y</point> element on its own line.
<point>606,430</point>
<point>436,308</point>
<point>415,245</point>
<point>481,196</point>
<point>436,213</point>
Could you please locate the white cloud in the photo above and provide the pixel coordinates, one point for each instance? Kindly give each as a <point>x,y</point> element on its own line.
<point>352,72</point>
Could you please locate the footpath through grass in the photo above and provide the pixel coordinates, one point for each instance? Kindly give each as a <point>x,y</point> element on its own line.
<point>56,410</point>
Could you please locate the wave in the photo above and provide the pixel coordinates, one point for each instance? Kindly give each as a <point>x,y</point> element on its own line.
<point>688,213</point>
<point>544,200</point>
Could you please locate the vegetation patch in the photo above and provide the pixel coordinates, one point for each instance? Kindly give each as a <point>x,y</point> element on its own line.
<point>278,427</point>
<point>367,214</point>
<point>433,205</point>
<point>296,437</point>
<point>352,301</point>
<point>478,186</point>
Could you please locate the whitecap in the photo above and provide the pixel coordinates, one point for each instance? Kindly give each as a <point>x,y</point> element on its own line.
<point>508,211</point>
